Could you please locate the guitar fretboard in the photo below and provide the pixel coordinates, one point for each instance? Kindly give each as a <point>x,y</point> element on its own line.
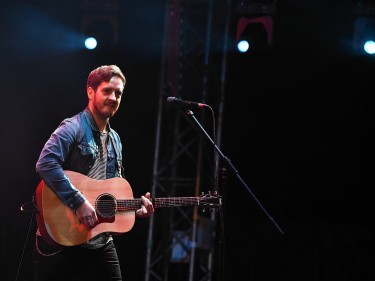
<point>134,204</point>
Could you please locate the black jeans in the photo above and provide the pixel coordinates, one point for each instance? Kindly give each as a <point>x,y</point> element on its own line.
<point>76,263</point>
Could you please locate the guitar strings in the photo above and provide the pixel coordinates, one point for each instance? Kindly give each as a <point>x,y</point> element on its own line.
<point>133,204</point>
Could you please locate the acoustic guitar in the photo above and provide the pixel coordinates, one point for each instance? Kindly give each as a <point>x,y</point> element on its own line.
<point>114,204</point>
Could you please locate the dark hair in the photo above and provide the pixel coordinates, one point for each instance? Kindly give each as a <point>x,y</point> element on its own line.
<point>103,73</point>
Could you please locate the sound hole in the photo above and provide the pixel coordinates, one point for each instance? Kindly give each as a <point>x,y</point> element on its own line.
<point>106,205</point>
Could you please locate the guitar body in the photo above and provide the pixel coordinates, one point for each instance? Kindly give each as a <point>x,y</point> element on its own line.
<point>59,225</point>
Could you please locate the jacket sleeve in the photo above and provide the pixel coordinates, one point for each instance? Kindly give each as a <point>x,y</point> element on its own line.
<point>51,161</point>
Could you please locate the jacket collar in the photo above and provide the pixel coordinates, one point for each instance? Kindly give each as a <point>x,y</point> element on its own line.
<point>92,122</point>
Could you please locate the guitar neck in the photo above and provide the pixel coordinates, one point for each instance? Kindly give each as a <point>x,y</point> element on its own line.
<point>135,204</point>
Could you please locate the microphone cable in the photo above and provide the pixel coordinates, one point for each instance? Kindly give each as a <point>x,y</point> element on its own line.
<point>32,210</point>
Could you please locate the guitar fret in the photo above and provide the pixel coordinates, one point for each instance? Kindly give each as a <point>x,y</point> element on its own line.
<point>173,201</point>
<point>129,204</point>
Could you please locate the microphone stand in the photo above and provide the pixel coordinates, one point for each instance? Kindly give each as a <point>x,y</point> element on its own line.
<point>234,171</point>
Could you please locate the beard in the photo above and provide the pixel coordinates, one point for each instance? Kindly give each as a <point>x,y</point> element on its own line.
<point>106,111</point>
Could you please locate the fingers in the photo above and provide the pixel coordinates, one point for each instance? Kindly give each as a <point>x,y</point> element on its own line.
<point>89,221</point>
<point>86,215</point>
<point>147,204</point>
<point>147,207</point>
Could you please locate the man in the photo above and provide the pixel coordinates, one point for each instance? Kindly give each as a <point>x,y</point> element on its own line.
<point>85,143</point>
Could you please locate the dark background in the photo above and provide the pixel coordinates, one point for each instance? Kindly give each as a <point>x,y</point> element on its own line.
<point>298,126</point>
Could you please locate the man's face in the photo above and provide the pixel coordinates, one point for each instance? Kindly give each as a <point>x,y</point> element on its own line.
<point>106,100</point>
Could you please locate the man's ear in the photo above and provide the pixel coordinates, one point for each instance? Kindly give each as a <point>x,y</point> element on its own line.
<point>90,93</point>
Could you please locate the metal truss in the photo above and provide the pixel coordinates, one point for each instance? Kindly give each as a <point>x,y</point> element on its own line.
<point>182,240</point>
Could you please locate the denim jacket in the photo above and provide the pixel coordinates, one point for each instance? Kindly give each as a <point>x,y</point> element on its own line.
<point>74,146</point>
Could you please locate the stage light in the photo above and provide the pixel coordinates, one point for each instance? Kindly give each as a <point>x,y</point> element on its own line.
<point>243,45</point>
<point>90,43</point>
<point>255,25</point>
<point>254,34</point>
<point>364,28</point>
<point>364,35</point>
<point>101,31</point>
<point>369,47</point>
<point>100,21</point>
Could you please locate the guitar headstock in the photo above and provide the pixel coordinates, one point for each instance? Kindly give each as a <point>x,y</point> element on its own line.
<point>211,200</point>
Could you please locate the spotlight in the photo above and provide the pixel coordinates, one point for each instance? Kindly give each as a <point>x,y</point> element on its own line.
<point>101,32</point>
<point>255,26</point>
<point>364,35</point>
<point>100,22</point>
<point>369,47</point>
<point>254,34</point>
<point>90,43</point>
<point>364,28</point>
<point>243,45</point>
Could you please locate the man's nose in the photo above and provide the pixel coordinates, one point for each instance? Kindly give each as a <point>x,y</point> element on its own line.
<point>112,96</point>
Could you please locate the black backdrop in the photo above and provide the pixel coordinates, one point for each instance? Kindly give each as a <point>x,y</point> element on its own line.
<point>297,126</point>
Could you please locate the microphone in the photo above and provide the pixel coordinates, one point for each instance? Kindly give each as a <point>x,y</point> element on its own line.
<point>184,103</point>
